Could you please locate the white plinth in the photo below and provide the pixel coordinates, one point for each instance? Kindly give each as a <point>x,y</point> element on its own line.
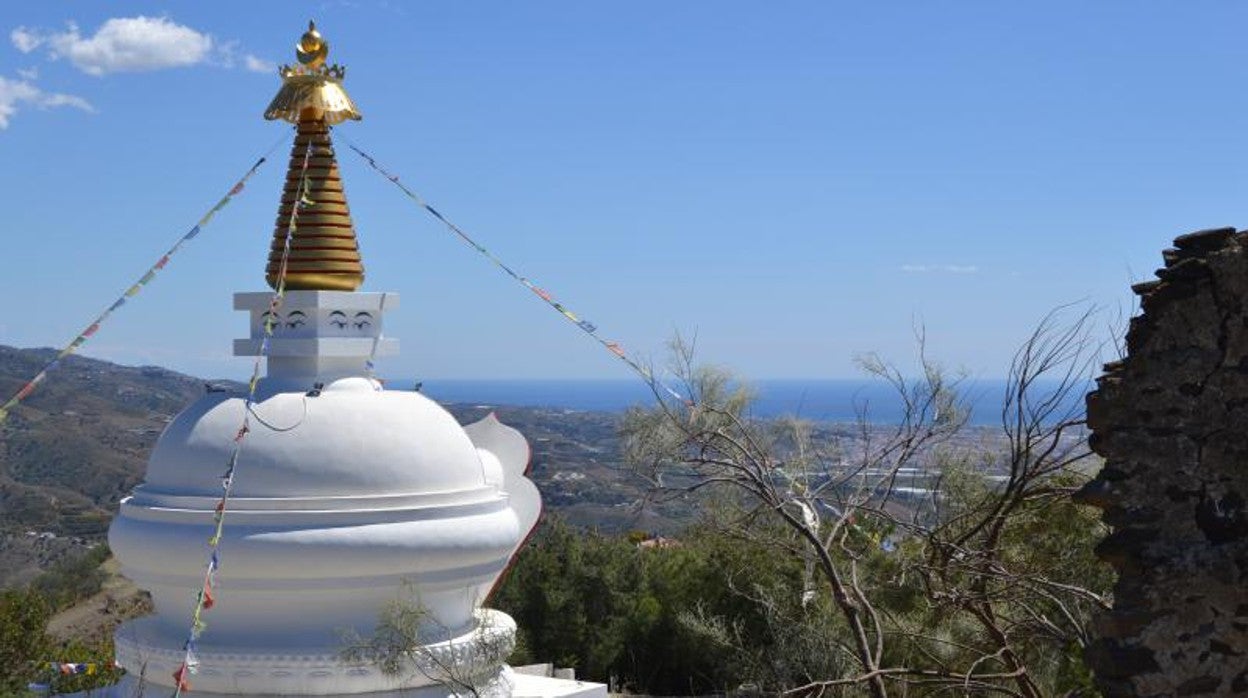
<point>519,685</point>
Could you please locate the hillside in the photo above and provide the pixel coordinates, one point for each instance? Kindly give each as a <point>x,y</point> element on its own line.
<point>81,441</point>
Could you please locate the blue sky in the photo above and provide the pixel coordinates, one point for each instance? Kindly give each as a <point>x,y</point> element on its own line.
<point>796,182</point>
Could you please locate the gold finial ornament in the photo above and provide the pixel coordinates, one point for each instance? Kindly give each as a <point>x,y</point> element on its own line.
<point>324,253</point>
<point>312,49</point>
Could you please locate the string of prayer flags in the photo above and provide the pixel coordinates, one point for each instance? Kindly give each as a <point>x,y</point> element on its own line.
<point>130,292</point>
<point>76,668</point>
<point>586,326</point>
<point>205,599</point>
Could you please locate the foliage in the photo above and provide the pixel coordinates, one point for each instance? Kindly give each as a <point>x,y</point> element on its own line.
<point>23,620</point>
<point>74,578</point>
<point>717,612</point>
<point>25,647</point>
<point>982,581</point>
<point>613,609</point>
<point>400,646</point>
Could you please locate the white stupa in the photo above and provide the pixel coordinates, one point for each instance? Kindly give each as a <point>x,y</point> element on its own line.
<point>346,496</point>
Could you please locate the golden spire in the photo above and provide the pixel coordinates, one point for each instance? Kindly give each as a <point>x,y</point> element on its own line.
<point>324,254</point>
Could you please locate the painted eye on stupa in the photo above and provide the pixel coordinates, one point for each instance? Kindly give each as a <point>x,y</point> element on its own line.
<point>296,319</point>
<point>363,320</point>
<point>338,319</point>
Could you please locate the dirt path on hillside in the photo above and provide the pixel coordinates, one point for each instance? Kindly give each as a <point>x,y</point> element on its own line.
<point>94,619</point>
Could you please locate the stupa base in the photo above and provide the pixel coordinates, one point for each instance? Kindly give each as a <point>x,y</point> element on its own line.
<point>505,684</point>
<point>470,662</point>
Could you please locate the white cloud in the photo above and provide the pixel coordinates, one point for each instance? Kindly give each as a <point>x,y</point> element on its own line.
<point>131,44</point>
<point>28,73</point>
<point>258,65</point>
<point>15,94</point>
<point>26,40</point>
<point>136,44</point>
<point>940,268</point>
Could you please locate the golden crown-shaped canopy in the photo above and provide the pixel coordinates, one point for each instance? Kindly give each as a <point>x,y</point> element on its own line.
<point>324,254</point>
<point>312,86</point>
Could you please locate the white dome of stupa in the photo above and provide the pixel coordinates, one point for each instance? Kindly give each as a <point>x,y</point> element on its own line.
<point>350,440</point>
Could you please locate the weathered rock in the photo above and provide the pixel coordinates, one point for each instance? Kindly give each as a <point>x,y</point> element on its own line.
<point>1171,421</point>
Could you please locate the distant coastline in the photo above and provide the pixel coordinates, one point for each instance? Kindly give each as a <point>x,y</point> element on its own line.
<point>819,400</point>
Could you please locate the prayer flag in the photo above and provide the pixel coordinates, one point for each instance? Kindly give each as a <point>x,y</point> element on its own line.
<point>91,330</point>
<point>208,600</point>
<point>117,304</point>
<point>237,188</point>
<point>193,233</point>
<point>133,291</point>
<point>151,274</point>
<point>587,326</point>
<point>160,263</point>
<point>180,678</point>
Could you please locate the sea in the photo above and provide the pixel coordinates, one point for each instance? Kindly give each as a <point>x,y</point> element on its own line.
<point>818,400</point>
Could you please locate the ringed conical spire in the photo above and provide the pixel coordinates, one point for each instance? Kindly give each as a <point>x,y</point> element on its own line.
<point>324,252</point>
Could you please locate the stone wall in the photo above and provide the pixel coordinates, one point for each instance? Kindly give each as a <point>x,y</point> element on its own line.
<point>1171,421</point>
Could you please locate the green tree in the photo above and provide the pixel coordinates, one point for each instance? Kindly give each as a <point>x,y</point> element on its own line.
<point>970,584</point>
<point>24,643</point>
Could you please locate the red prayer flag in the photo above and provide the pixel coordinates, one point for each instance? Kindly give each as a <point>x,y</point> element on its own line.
<point>180,676</point>
<point>209,601</point>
